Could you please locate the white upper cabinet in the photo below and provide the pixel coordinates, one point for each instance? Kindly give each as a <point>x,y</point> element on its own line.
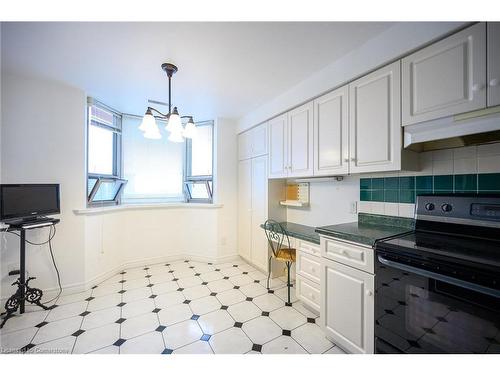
<point>445,78</point>
<point>278,146</point>
<point>331,133</point>
<point>375,122</point>
<point>493,63</point>
<point>300,141</point>
<point>253,142</point>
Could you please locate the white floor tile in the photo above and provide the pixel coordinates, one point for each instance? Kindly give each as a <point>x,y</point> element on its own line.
<point>22,321</point>
<point>211,276</point>
<point>230,297</point>
<point>188,282</point>
<point>181,334</point>
<point>283,345</point>
<point>174,314</point>
<point>196,292</point>
<point>138,307</point>
<point>60,346</point>
<point>215,321</point>
<point>288,318</point>
<point>76,297</point>
<point>268,302</point>
<point>169,299</point>
<point>16,340</point>
<point>103,290</point>
<point>241,280</point>
<point>312,338</point>
<point>261,330</point>
<point>308,313</point>
<point>244,311</point>
<point>104,302</point>
<point>204,268</point>
<point>136,294</point>
<point>230,271</point>
<point>253,290</point>
<point>112,349</point>
<point>101,317</point>
<point>134,273</point>
<point>161,278</point>
<point>257,275</point>
<point>58,329</point>
<point>198,347</point>
<point>67,311</point>
<point>219,285</point>
<point>97,338</point>
<point>205,305</point>
<point>230,341</point>
<point>135,283</point>
<point>165,287</point>
<point>149,343</point>
<point>139,325</point>
<point>112,280</point>
<point>185,274</point>
<point>335,350</point>
<point>282,293</point>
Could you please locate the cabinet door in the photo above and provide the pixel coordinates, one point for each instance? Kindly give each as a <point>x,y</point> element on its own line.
<point>493,63</point>
<point>259,140</point>
<point>259,250</point>
<point>244,145</point>
<point>331,138</point>
<point>245,208</point>
<point>374,121</point>
<point>300,141</point>
<point>347,306</point>
<point>446,78</point>
<point>278,147</point>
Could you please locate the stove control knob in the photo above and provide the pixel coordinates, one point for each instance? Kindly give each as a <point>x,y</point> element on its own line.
<point>429,206</point>
<point>446,207</point>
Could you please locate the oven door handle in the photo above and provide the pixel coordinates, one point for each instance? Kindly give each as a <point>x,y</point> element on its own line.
<point>437,276</point>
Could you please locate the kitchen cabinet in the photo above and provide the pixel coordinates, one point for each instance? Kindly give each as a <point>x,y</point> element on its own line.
<point>331,133</point>
<point>493,64</point>
<point>446,78</point>
<point>253,211</point>
<point>278,147</point>
<point>347,306</point>
<point>253,142</point>
<point>291,143</point>
<point>374,121</point>
<point>308,270</point>
<point>300,141</point>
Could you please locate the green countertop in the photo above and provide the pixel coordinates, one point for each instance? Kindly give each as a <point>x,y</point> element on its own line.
<point>366,230</point>
<point>302,232</point>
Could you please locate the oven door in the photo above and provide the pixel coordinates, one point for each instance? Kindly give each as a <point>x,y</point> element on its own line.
<point>418,311</point>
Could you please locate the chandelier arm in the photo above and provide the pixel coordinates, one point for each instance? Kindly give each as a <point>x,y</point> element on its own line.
<point>162,114</point>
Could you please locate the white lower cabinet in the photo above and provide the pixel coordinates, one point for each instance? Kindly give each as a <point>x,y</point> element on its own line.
<point>308,270</point>
<point>347,306</point>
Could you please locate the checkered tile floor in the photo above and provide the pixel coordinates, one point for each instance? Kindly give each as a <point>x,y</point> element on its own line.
<point>179,307</point>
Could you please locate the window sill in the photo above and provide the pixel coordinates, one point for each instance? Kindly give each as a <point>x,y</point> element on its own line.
<point>126,207</point>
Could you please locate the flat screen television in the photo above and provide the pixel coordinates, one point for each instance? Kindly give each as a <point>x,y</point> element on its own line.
<point>25,201</point>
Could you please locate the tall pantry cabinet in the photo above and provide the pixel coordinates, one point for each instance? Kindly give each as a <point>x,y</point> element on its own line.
<point>253,196</point>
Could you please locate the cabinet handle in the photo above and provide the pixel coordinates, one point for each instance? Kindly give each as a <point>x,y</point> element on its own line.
<point>477,87</point>
<point>345,253</point>
<point>494,82</point>
<point>369,293</point>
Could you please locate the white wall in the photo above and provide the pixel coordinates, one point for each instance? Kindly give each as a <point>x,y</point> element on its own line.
<point>395,42</point>
<point>43,133</point>
<point>329,203</point>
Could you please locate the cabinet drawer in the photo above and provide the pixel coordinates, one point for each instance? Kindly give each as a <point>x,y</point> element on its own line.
<point>308,292</point>
<point>308,247</point>
<point>308,266</point>
<point>357,256</point>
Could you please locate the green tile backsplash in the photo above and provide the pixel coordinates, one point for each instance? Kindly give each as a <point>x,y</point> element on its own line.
<point>405,189</point>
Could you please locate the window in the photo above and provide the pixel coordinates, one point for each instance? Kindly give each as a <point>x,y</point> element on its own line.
<point>198,182</point>
<point>104,184</point>
<point>153,168</point>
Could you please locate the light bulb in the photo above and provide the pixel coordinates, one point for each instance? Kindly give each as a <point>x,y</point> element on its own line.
<point>148,122</point>
<point>152,134</point>
<point>174,124</point>
<point>190,129</point>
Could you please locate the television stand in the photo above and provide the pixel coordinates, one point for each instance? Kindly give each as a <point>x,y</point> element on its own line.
<point>24,292</point>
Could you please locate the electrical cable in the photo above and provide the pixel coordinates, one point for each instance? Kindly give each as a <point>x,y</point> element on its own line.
<point>49,241</point>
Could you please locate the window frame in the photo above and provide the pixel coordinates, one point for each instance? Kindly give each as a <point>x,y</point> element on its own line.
<point>189,178</point>
<point>117,155</point>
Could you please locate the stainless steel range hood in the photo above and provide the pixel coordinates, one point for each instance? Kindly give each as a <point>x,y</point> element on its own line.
<point>472,128</point>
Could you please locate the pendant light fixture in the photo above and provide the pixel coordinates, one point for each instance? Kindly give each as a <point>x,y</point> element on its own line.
<point>174,121</point>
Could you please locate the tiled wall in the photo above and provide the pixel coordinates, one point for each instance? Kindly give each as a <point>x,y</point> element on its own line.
<point>461,170</point>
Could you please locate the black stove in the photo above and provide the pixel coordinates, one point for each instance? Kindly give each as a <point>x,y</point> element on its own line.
<point>438,287</point>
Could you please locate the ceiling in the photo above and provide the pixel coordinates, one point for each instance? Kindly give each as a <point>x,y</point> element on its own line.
<point>225,69</point>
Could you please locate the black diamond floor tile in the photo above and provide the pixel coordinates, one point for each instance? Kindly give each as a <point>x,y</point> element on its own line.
<point>85,313</point>
<point>180,289</point>
<point>157,310</point>
<point>150,285</point>
<point>236,287</point>
<point>270,291</point>
<point>250,299</point>
<point>187,301</point>
<point>224,307</point>
<point>167,351</point>
<point>160,328</point>
<point>119,342</point>
<point>121,304</point>
<point>205,337</point>
<point>153,296</point>
<point>27,347</point>
<point>40,325</point>
<point>77,333</point>
<point>238,324</point>
<point>195,317</point>
<point>311,320</point>
<point>286,332</point>
<point>265,313</point>
<point>213,294</point>
<point>89,299</point>
<point>256,347</point>
<point>120,321</point>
